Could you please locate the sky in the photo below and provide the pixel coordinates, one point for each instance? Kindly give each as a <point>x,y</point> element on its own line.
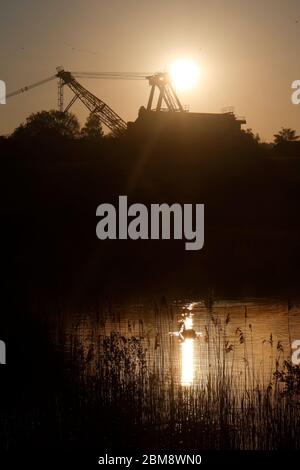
<point>248,53</point>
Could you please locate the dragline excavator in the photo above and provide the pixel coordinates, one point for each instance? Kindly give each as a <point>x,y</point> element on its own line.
<point>167,98</point>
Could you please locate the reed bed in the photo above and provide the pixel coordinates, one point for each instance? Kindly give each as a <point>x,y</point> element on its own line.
<point>126,391</point>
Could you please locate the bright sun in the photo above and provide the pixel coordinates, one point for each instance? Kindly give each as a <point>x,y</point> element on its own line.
<point>184,74</point>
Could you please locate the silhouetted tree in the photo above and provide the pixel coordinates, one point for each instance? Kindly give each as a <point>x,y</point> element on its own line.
<point>49,123</point>
<point>92,128</point>
<point>285,135</point>
<point>250,134</point>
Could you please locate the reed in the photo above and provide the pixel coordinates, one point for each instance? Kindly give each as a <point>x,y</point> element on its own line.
<point>129,392</point>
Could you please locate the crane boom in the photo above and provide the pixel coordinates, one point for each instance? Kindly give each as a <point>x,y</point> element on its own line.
<point>95,105</point>
<point>96,75</point>
<point>112,75</point>
<point>104,75</point>
<point>29,87</point>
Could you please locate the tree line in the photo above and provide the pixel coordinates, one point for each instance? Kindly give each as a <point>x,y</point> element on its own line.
<point>56,123</point>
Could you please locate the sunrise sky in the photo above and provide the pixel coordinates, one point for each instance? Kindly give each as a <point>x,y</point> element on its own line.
<point>248,53</point>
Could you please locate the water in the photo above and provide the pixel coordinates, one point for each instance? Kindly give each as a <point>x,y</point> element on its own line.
<point>245,339</point>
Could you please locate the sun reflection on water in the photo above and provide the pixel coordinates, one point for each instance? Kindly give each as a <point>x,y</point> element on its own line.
<point>187,362</point>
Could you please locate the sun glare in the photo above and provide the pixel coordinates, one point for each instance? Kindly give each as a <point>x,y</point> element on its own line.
<point>187,356</point>
<point>187,362</point>
<point>184,74</point>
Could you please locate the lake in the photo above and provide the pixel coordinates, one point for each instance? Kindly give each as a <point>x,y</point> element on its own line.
<point>244,339</point>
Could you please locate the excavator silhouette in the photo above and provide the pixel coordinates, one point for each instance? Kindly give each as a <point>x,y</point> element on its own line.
<point>160,83</point>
